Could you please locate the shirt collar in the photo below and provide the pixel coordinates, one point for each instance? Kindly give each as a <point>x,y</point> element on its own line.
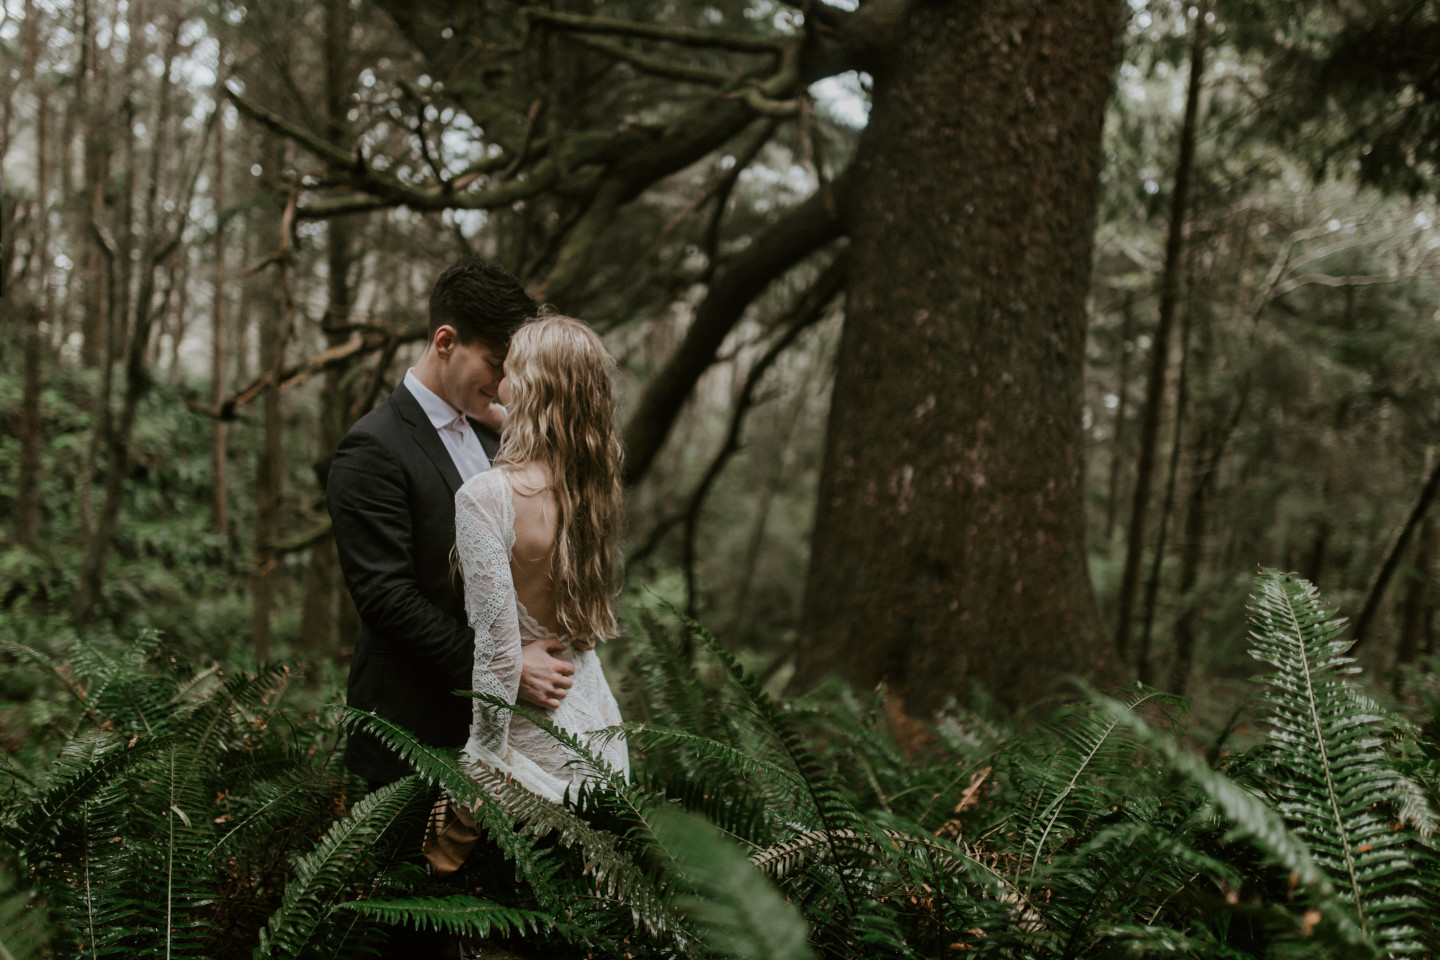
<point>440,413</point>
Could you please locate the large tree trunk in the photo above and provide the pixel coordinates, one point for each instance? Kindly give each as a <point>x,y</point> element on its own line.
<point>949,543</point>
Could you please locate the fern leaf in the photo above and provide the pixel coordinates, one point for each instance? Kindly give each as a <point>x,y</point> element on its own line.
<point>460,915</point>
<point>1250,817</point>
<point>1331,779</point>
<point>740,914</point>
<point>323,876</point>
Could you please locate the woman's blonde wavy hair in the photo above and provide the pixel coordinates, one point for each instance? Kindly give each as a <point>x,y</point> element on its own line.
<point>562,414</point>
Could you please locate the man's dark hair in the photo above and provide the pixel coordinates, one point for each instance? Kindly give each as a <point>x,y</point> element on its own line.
<point>482,300</point>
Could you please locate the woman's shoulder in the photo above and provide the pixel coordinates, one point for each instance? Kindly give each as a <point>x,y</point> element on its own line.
<point>529,479</point>
<point>484,488</point>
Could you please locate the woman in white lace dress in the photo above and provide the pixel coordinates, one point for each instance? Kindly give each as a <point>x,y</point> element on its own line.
<point>537,538</point>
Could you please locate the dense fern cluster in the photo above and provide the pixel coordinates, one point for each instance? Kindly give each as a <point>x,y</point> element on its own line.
<point>184,817</point>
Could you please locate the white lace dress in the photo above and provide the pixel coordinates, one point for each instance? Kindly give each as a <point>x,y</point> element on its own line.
<point>499,739</point>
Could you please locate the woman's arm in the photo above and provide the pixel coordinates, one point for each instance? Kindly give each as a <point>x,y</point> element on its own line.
<point>483,538</point>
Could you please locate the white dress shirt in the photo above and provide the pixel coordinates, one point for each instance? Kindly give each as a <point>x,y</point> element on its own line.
<point>454,429</point>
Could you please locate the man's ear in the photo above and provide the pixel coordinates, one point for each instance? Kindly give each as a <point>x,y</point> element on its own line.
<point>445,340</point>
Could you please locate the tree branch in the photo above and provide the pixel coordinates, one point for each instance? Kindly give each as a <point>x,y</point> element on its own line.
<point>806,312</point>
<point>319,146</point>
<point>656,66</point>
<point>381,192</point>
<point>810,309</point>
<point>797,234</point>
<point>652,31</point>
<point>339,355</point>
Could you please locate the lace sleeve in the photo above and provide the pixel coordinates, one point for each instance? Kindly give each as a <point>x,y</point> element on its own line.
<point>484,535</point>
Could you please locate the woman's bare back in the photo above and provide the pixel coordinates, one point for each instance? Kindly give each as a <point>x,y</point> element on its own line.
<point>535,531</point>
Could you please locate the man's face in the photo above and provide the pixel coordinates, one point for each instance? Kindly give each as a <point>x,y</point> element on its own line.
<point>470,375</point>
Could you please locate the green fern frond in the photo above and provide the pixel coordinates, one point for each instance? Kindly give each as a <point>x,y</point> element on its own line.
<point>734,804</point>
<point>23,919</point>
<point>442,768</point>
<point>85,766</point>
<point>1250,818</point>
<point>513,816</point>
<point>615,865</point>
<point>325,876</point>
<point>673,693</point>
<point>734,759</point>
<point>1071,790</point>
<point>459,915</point>
<point>830,804</point>
<point>783,858</point>
<point>739,913</point>
<point>1332,781</point>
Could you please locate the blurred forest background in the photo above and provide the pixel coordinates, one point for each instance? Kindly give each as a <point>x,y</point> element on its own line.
<point>1059,440</point>
<point>967,347</point>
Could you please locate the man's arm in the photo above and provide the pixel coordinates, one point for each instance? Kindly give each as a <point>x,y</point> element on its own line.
<point>544,679</point>
<point>366,495</point>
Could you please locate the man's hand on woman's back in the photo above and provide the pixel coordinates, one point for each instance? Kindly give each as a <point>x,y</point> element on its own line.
<point>544,678</point>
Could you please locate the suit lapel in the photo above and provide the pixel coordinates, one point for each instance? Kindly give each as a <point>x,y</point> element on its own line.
<point>423,432</point>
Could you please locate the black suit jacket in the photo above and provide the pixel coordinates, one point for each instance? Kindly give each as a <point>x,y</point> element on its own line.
<point>391,495</point>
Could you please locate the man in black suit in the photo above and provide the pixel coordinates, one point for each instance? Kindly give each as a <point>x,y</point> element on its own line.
<point>391,495</point>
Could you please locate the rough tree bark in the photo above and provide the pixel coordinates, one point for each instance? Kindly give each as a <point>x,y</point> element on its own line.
<point>949,537</point>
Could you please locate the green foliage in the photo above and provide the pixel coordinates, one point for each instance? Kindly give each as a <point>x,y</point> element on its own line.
<point>164,822</point>
<point>1328,773</point>
<point>739,914</point>
<point>174,820</point>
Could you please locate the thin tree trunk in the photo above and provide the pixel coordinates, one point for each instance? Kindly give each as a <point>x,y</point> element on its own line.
<point>1160,355</point>
<point>96,164</point>
<point>1117,455</point>
<point>137,367</point>
<point>1152,584</point>
<point>27,494</point>
<point>1396,549</point>
<point>770,488</point>
<point>219,474</point>
<point>272,296</point>
<point>323,585</point>
<point>1419,594</point>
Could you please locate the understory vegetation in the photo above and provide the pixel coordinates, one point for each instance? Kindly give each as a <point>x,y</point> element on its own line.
<point>160,810</point>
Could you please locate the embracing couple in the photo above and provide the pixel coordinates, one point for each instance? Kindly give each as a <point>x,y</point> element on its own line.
<point>479,541</point>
